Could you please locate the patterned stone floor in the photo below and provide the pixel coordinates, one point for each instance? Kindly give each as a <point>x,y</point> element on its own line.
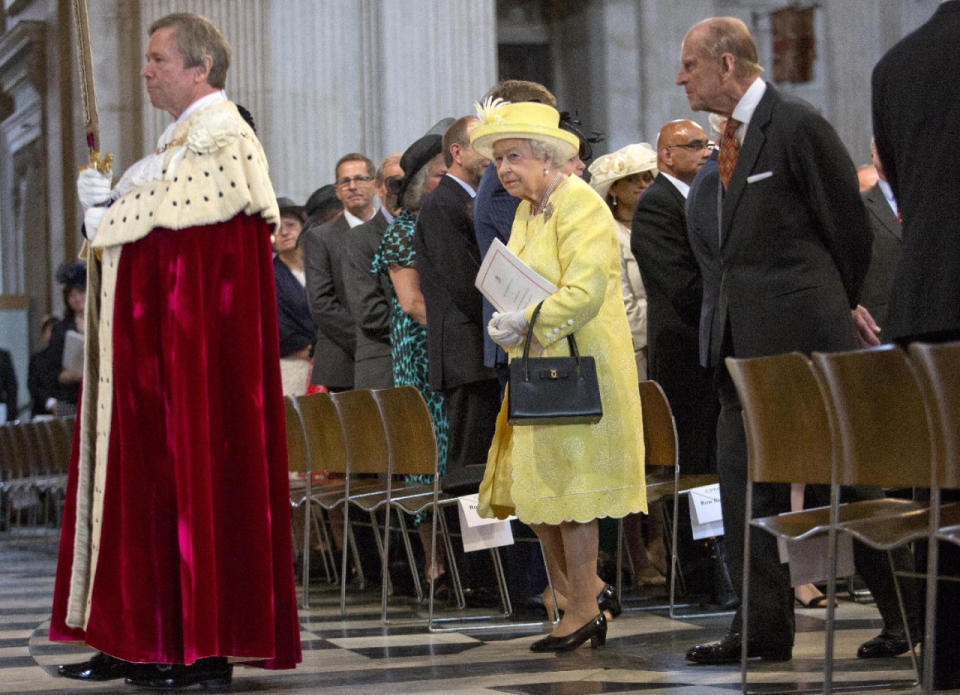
<point>644,651</point>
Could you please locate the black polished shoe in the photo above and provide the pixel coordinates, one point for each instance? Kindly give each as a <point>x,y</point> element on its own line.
<point>100,667</point>
<point>727,651</point>
<point>886,645</point>
<point>213,674</point>
<point>609,601</point>
<point>595,631</point>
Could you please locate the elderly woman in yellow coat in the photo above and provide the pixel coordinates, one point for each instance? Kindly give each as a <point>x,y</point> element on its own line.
<point>560,479</point>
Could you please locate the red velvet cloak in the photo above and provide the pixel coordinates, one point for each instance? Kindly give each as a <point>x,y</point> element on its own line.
<point>195,555</point>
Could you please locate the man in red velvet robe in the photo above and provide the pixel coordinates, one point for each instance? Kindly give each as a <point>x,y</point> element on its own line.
<point>176,552</point>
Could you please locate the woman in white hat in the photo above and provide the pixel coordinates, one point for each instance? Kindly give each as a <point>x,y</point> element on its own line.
<point>560,479</point>
<point>620,178</point>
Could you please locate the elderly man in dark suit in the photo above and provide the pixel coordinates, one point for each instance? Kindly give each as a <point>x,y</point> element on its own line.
<point>448,259</point>
<point>368,295</point>
<point>323,251</point>
<point>915,124</point>
<point>658,239</point>
<point>793,247</point>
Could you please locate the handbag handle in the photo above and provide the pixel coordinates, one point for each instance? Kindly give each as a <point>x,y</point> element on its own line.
<point>526,347</point>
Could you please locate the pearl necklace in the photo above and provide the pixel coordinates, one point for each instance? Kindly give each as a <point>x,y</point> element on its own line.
<point>542,204</point>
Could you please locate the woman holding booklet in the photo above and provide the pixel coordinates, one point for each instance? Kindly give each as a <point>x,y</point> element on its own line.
<point>560,479</point>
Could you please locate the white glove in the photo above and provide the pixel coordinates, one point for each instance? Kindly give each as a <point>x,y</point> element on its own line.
<point>508,329</point>
<point>91,221</point>
<point>93,188</point>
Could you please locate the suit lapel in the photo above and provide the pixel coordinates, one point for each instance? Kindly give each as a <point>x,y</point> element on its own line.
<point>749,151</point>
<point>879,207</point>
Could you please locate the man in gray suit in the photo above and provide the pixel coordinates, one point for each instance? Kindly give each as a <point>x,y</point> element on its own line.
<point>793,249</point>
<point>368,295</point>
<point>882,215</point>
<point>323,250</point>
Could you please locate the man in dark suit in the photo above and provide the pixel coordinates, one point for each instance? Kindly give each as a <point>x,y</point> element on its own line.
<point>368,295</point>
<point>8,385</point>
<point>882,214</point>
<point>793,250</point>
<point>323,250</point>
<point>674,287</point>
<point>448,260</point>
<point>915,124</point>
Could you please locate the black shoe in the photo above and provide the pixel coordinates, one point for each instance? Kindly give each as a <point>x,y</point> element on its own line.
<point>213,674</point>
<point>100,667</point>
<point>886,645</point>
<point>595,631</point>
<point>609,601</point>
<point>727,651</point>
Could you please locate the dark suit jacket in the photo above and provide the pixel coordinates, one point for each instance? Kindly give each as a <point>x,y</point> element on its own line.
<point>493,213</point>
<point>794,242</point>
<point>323,249</point>
<point>658,239</point>
<point>703,232</point>
<point>875,295</point>
<point>368,299</point>
<point>448,259</point>
<point>8,385</point>
<point>916,126</point>
<point>293,315</point>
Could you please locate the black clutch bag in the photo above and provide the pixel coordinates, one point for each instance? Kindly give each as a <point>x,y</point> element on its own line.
<point>553,390</point>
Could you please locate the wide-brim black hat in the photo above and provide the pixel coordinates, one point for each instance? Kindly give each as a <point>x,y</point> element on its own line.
<point>419,154</point>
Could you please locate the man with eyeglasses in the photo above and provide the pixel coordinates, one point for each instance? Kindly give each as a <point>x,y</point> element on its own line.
<point>674,290</point>
<point>323,259</point>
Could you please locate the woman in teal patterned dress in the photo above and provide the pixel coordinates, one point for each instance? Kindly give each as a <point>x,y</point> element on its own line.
<point>423,168</point>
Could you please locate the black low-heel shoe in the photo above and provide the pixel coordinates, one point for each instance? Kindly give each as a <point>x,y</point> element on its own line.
<point>100,667</point>
<point>213,674</point>
<point>595,631</point>
<point>608,601</point>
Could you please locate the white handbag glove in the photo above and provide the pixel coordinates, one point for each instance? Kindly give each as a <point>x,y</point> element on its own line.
<point>508,329</point>
<point>93,188</point>
<point>91,221</point>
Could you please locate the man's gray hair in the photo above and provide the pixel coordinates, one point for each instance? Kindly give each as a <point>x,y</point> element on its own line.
<point>197,37</point>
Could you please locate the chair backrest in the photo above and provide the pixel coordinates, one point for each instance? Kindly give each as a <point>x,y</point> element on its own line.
<point>297,461</point>
<point>25,452</point>
<point>328,450</point>
<point>939,367</point>
<point>362,430</point>
<point>36,434</point>
<point>659,427</point>
<point>785,418</point>
<point>878,414</point>
<point>60,433</point>
<point>411,440</point>
<point>8,460</point>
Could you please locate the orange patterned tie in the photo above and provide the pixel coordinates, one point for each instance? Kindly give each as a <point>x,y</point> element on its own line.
<point>729,151</point>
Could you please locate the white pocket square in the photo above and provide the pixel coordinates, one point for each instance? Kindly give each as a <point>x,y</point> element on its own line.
<point>759,177</point>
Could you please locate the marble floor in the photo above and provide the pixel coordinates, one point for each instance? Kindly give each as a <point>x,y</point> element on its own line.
<point>644,651</point>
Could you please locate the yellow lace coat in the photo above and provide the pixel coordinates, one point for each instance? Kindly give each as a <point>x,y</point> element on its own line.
<point>549,474</point>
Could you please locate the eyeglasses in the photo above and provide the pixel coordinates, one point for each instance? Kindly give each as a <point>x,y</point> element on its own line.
<point>695,146</point>
<point>347,180</point>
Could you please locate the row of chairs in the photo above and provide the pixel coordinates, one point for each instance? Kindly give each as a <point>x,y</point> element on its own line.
<point>34,457</point>
<point>877,417</point>
<point>387,432</point>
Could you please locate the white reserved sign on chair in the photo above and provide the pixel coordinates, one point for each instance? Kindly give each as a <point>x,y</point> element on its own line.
<point>706,515</point>
<point>478,532</point>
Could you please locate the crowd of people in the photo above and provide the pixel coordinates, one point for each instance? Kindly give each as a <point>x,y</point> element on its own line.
<point>667,258</point>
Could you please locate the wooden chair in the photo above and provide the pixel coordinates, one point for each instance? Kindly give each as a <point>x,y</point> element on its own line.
<point>938,369</point>
<point>793,437</point>
<point>664,478</point>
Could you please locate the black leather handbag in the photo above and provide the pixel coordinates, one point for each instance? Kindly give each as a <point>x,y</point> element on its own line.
<point>553,390</point>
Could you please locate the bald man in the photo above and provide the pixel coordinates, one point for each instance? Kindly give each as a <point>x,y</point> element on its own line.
<point>670,273</point>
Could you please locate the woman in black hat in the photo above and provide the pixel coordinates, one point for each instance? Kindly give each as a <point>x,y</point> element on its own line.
<point>73,277</point>
<point>423,168</point>
<point>293,313</point>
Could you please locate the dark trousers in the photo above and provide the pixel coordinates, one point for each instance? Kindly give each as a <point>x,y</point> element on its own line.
<point>471,411</point>
<point>771,597</point>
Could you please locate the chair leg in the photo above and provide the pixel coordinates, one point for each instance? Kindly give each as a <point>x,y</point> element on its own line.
<point>501,582</point>
<point>452,566</point>
<point>411,558</point>
<point>903,617</point>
